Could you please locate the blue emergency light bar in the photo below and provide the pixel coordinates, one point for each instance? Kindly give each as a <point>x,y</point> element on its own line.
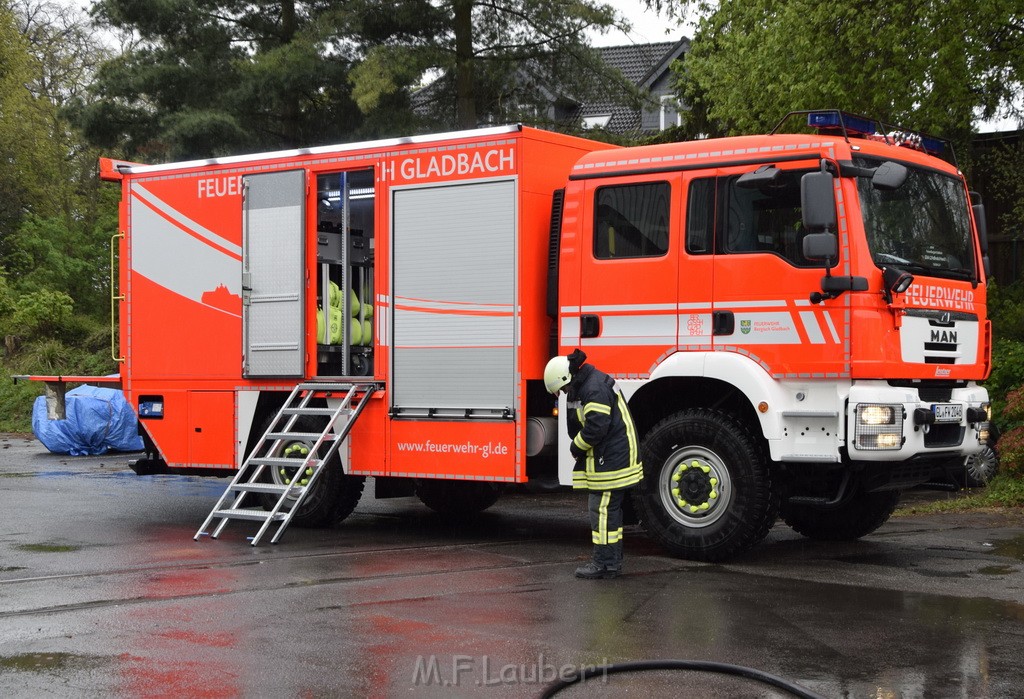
<point>852,124</point>
<point>933,146</point>
<point>839,120</point>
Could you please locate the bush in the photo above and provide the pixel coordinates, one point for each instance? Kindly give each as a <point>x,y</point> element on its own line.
<point>1004,491</point>
<point>42,313</point>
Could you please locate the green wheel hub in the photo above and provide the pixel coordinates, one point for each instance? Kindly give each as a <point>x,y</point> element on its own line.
<point>695,486</point>
<point>286,474</point>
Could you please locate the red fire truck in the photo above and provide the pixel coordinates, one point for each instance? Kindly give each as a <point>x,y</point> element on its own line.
<point>797,320</point>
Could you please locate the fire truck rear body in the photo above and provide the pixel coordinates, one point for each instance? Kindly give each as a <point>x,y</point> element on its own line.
<point>457,320</point>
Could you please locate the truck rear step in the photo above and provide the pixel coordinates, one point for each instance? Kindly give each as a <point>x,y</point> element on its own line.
<point>282,429</point>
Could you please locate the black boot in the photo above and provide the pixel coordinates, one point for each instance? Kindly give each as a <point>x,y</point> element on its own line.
<point>605,563</point>
<point>596,571</point>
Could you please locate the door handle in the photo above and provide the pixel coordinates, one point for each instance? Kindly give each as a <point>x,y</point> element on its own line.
<point>590,325</point>
<point>723,323</point>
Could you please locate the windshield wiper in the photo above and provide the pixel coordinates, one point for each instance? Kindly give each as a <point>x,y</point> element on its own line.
<point>964,274</point>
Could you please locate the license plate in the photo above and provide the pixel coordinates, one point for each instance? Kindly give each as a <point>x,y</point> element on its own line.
<point>948,412</point>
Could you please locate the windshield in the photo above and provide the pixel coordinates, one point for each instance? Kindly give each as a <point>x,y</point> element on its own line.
<point>923,226</point>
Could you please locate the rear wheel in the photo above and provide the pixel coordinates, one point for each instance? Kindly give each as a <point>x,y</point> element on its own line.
<point>455,498</point>
<point>334,494</point>
<point>707,492</point>
<point>857,517</point>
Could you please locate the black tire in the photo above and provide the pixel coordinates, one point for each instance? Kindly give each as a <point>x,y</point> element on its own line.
<point>857,517</point>
<point>334,494</point>
<point>725,502</point>
<point>457,498</point>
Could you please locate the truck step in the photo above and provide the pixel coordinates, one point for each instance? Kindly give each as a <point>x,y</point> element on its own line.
<point>249,514</point>
<point>807,500</point>
<point>341,417</point>
<point>308,411</point>
<point>307,436</point>
<point>272,488</point>
<point>287,463</point>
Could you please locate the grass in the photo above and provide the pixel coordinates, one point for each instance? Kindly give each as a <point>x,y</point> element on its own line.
<point>1001,493</point>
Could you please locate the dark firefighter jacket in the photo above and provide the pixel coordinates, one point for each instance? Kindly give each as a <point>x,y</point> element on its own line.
<point>604,440</point>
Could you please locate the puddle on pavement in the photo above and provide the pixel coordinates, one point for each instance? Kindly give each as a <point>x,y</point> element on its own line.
<point>50,662</point>
<point>885,558</point>
<point>942,573</point>
<point>48,548</point>
<point>1010,548</point>
<point>997,570</point>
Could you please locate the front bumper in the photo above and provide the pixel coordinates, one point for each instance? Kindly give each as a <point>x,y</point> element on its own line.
<point>895,424</point>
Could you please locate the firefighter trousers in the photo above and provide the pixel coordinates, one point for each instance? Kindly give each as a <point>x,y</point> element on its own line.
<point>606,527</point>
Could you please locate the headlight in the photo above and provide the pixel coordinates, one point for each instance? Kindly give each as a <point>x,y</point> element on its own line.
<point>876,415</point>
<point>878,427</point>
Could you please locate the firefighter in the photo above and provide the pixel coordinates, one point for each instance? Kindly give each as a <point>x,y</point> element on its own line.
<point>604,444</point>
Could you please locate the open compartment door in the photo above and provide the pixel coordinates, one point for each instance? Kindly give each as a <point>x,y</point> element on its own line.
<point>273,274</point>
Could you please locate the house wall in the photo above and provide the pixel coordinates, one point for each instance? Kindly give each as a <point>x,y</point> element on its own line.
<point>650,118</point>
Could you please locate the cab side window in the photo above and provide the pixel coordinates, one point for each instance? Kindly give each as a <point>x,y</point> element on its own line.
<point>700,217</point>
<point>764,220</point>
<point>631,221</point>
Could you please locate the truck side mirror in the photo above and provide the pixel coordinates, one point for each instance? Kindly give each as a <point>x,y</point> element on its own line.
<point>888,176</point>
<point>979,220</point>
<point>761,177</point>
<point>818,201</point>
<point>820,246</point>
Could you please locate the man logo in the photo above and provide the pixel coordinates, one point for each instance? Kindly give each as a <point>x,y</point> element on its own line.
<point>745,327</point>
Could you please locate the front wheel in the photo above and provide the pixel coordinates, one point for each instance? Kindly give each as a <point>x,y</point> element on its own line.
<point>707,492</point>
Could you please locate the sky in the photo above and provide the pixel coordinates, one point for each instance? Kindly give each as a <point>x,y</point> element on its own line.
<point>648,27</point>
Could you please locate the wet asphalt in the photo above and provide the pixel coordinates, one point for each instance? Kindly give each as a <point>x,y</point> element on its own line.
<point>103,593</point>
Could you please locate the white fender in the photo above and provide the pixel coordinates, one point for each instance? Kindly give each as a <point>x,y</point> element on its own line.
<point>791,405</point>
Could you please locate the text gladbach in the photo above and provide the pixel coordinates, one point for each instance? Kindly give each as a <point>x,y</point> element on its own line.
<point>462,164</point>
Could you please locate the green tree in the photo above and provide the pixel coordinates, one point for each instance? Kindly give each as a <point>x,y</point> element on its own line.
<point>931,66</point>
<point>55,219</point>
<point>16,126</point>
<point>59,241</point>
<point>495,62</point>
<point>214,77</point>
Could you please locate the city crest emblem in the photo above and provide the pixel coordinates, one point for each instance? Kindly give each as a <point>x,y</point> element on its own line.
<point>745,327</point>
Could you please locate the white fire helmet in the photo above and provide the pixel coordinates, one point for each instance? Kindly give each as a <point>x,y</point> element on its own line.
<point>557,374</point>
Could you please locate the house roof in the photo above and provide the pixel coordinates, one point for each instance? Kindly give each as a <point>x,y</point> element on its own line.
<point>636,60</point>
<point>642,65</point>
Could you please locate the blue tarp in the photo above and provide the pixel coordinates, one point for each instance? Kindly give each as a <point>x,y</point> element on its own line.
<point>98,420</point>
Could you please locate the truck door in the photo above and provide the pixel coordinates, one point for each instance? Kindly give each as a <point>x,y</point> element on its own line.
<point>628,249</point>
<point>454,321</point>
<point>273,274</point>
<point>762,282</point>
<point>454,329</point>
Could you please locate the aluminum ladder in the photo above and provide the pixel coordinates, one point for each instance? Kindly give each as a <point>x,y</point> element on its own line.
<point>281,430</point>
